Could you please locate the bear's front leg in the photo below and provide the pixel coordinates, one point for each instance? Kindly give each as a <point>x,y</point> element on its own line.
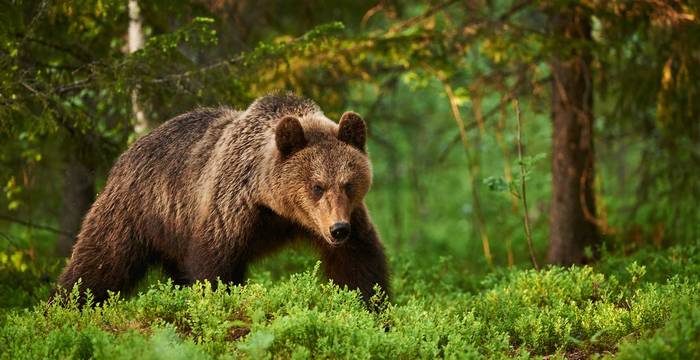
<point>359,262</point>
<point>216,259</point>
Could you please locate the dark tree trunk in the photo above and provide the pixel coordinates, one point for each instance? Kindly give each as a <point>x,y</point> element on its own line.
<point>572,212</point>
<point>78,193</point>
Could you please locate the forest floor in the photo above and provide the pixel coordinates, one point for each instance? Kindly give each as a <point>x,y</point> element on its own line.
<point>642,306</point>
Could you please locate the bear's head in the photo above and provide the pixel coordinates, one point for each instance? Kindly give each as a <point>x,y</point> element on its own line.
<point>325,175</point>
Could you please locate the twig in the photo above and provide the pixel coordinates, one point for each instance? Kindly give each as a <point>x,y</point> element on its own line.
<point>33,225</point>
<point>523,194</point>
<point>375,9</point>
<point>416,19</point>
<point>507,171</point>
<point>589,214</point>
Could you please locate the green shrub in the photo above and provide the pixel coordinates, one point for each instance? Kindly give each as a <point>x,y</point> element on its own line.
<point>679,338</point>
<point>436,313</point>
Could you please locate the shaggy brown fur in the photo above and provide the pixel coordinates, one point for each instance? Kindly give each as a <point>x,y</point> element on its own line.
<point>211,190</point>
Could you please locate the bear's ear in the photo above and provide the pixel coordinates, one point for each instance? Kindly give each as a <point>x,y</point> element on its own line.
<point>352,130</point>
<point>289,136</point>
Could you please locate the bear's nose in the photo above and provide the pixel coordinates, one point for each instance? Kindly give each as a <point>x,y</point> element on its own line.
<point>340,230</point>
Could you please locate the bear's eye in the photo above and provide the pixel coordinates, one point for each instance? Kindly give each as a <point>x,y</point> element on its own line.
<point>317,190</point>
<point>349,189</point>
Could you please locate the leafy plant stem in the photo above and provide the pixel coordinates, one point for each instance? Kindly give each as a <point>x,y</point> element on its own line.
<point>523,194</point>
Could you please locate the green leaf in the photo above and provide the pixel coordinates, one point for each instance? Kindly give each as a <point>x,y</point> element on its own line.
<point>496,183</point>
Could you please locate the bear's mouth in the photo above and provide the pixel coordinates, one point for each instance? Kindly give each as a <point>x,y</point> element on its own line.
<point>327,236</point>
<point>333,242</point>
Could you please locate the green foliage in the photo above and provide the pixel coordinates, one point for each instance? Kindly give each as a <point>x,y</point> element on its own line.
<point>500,184</point>
<point>679,338</point>
<point>508,314</point>
<point>22,281</point>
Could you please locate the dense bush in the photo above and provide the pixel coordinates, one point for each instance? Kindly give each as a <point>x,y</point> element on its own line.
<point>611,309</point>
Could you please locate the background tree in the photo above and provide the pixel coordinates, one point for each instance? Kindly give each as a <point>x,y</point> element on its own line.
<point>136,39</point>
<point>572,212</point>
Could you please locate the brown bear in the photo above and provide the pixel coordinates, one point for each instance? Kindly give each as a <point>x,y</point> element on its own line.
<point>210,191</point>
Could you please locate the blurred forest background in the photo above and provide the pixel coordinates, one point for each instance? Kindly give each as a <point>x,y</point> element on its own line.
<point>504,134</point>
<point>608,93</point>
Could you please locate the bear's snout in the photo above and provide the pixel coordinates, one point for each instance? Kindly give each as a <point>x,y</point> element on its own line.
<point>340,231</point>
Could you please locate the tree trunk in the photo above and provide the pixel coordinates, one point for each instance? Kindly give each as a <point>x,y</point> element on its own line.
<point>135,42</point>
<point>78,194</point>
<point>572,212</point>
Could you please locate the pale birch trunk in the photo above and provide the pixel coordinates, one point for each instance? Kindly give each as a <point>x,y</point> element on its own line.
<point>135,42</point>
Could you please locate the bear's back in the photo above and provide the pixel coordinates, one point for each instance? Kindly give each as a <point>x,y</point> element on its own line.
<point>176,144</point>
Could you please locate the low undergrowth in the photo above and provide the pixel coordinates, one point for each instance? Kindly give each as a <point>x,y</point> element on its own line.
<point>644,306</point>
